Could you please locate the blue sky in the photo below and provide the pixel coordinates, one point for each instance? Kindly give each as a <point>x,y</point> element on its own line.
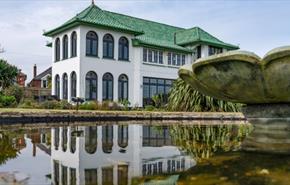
<point>254,25</point>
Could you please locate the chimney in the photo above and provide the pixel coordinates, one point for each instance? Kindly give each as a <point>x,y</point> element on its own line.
<point>34,71</point>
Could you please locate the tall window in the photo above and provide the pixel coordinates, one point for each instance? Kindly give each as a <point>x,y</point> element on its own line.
<point>123,136</point>
<point>108,86</point>
<point>123,49</point>
<point>64,139</point>
<point>73,84</point>
<point>123,87</point>
<point>108,46</point>
<point>64,86</point>
<point>74,44</point>
<point>91,85</point>
<point>57,86</point>
<point>91,139</point>
<point>92,44</point>
<point>57,49</point>
<point>65,47</point>
<point>107,138</point>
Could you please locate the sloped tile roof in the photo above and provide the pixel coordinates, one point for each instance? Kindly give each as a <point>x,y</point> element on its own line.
<point>148,33</point>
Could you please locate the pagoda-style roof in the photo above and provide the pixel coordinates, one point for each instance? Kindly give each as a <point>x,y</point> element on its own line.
<point>147,33</point>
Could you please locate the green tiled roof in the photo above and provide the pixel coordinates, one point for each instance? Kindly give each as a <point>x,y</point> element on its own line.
<point>198,35</point>
<point>147,33</point>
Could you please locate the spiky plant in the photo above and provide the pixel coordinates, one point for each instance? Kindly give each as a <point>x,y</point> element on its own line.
<point>183,97</point>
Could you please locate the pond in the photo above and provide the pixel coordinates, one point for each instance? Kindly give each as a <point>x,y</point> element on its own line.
<point>148,153</point>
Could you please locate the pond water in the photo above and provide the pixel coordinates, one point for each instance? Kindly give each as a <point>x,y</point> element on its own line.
<point>133,153</point>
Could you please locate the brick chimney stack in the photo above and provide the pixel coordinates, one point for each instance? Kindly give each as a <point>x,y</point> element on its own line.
<point>34,71</point>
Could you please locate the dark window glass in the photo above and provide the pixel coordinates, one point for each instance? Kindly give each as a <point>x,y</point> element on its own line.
<point>173,59</point>
<point>123,136</point>
<point>160,57</point>
<point>155,86</point>
<point>198,51</point>
<point>73,176</point>
<point>169,58</point>
<point>64,86</point>
<point>178,60</point>
<point>123,87</point>
<point>155,56</point>
<point>74,44</point>
<point>64,139</point>
<point>91,139</point>
<point>108,86</point>
<point>91,86</point>
<point>145,54</point>
<point>64,175</point>
<point>91,176</point>
<point>65,47</point>
<point>107,138</point>
<point>73,84</point>
<point>183,59</point>
<point>57,86</point>
<point>214,50</point>
<point>150,53</point>
<point>123,49</point>
<point>92,44</point>
<point>57,49</point>
<point>108,46</point>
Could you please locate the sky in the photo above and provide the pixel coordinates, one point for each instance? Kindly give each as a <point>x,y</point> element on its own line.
<point>254,25</point>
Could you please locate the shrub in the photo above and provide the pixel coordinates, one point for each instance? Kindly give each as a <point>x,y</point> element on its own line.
<point>7,101</point>
<point>29,103</point>
<point>125,103</point>
<point>50,104</point>
<point>149,108</point>
<point>91,105</point>
<point>64,104</point>
<point>16,91</point>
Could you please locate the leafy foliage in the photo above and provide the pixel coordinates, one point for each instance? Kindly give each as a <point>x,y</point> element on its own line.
<point>7,151</point>
<point>7,101</point>
<point>183,97</point>
<point>8,73</point>
<point>16,91</point>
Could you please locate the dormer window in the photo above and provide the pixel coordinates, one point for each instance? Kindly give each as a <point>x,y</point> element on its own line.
<point>92,44</point>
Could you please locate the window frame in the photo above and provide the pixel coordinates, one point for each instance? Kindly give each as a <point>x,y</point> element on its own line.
<point>123,44</point>
<point>74,44</point>
<point>107,42</point>
<point>92,41</point>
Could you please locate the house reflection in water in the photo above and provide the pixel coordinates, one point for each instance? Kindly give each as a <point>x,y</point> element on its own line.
<point>113,154</point>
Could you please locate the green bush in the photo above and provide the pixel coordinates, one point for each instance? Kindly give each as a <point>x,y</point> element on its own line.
<point>125,103</point>
<point>90,105</point>
<point>54,104</point>
<point>16,91</point>
<point>7,101</point>
<point>29,104</point>
<point>63,104</point>
<point>149,108</point>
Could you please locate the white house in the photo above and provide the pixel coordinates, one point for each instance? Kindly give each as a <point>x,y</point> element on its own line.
<point>114,154</point>
<point>101,55</point>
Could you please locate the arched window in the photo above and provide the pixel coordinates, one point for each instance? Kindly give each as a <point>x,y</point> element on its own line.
<point>123,136</point>
<point>123,87</point>
<point>65,47</point>
<point>91,85</point>
<point>92,44</point>
<point>57,86</point>
<point>64,139</point>
<point>107,138</point>
<point>123,48</point>
<point>91,139</point>
<point>74,44</point>
<point>64,86</point>
<point>57,49</point>
<point>108,46</point>
<point>108,86</point>
<point>73,86</point>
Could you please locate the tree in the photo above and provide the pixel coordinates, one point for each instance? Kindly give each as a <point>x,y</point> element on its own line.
<point>8,74</point>
<point>183,97</point>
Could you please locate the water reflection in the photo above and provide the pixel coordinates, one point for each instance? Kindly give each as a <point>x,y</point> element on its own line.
<point>114,154</point>
<point>151,154</point>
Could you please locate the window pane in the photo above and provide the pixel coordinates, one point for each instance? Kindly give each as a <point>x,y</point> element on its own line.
<point>155,56</point>
<point>146,91</point>
<point>144,54</point>
<point>178,59</point>
<point>95,48</point>
<point>169,58</point>
<point>150,55</point>
<point>183,59</point>
<point>160,57</point>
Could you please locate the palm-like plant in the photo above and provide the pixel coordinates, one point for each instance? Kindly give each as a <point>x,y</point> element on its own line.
<point>183,97</point>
